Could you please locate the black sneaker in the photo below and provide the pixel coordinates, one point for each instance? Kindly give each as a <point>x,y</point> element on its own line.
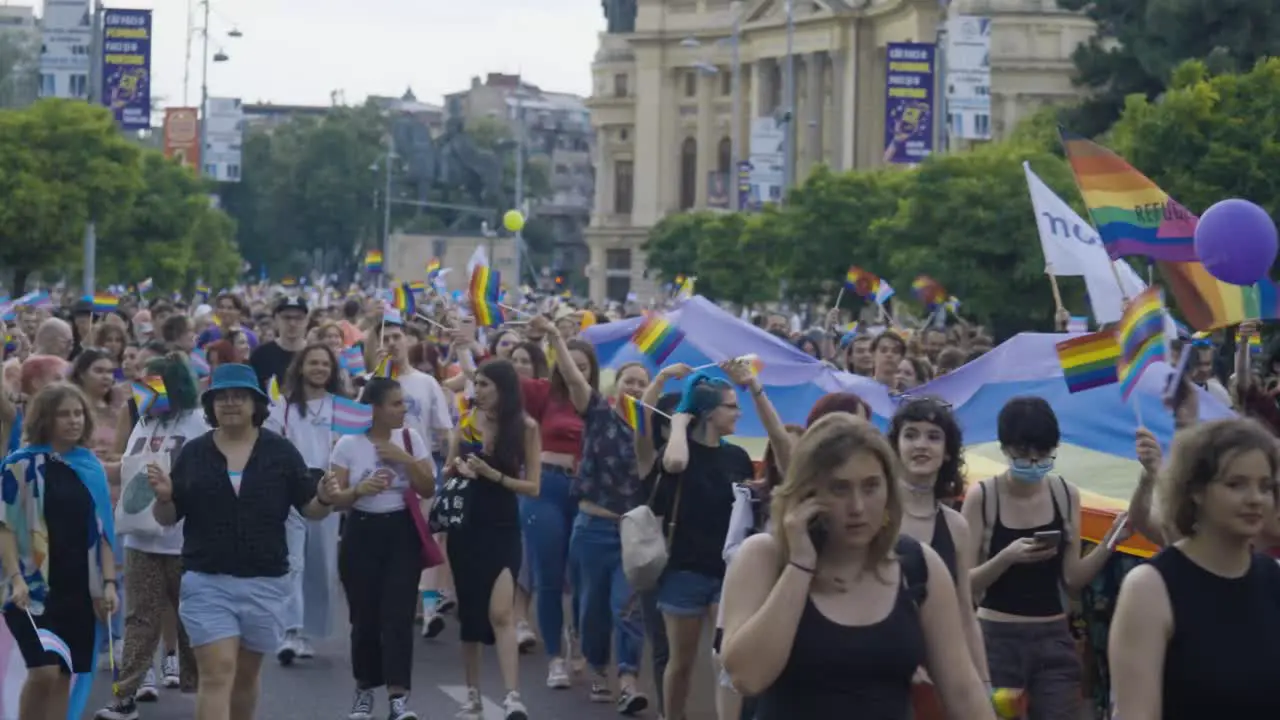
<point>631,702</point>
<point>124,709</point>
<point>432,626</point>
<point>400,709</point>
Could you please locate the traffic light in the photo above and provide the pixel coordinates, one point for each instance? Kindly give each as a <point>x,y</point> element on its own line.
<point>559,280</point>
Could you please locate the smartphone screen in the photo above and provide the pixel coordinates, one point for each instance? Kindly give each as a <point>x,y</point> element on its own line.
<point>1048,537</point>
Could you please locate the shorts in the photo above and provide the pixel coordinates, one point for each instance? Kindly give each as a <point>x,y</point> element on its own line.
<point>77,626</point>
<point>687,594</point>
<point>217,607</point>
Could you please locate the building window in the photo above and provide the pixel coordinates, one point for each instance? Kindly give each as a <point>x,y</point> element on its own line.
<point>623,134</point>
<point>623,187</point>
<point>617,288</point>
<point>726,83</point>
<point>691,83</point>
<point>79,86</point>
<point>620,85</point>
<point>724,155</point>
<point>617,260</point>
<point>439,248</point>
<point>688,173</point>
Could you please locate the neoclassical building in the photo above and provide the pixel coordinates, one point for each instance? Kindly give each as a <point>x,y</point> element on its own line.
<point>663,102</point>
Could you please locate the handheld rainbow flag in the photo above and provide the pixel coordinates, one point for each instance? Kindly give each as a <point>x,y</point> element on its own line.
<point>146,285</point>
<point>1132,214</point>
<point>1089,361</point>
<point>403,299</point>
<point>386,368</point>
<point>350,417</point>
<point>633,413</point>
<point>433,266</point>
<point>929,291</point>
<point>864,283</point>
<point>1140,335</point>
<point>657,338</point>
<point>418,286</point>
<point>273,390</point>
<point>150,396</point>
<point>1255,343</point>
<point>484,292</point>
<point>373,261</point>
<point>470,441</point>
<point>202,294</point>
<point>105,303</point>
<point>684,290</point>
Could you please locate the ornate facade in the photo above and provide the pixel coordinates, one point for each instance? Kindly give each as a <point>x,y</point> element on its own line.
<point>664,114</point>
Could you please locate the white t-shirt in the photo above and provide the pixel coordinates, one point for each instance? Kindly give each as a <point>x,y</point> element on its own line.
<point>359,457</point>
<point>427,408</point>
<point>171,436</point>
<point>313,435</point>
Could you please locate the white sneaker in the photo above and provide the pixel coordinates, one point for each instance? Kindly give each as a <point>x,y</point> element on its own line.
<point>171,677</point>
<point>362,706</point>
<point>558,674</point>
<point>147,690</point>
<point>445,603</point>
<point>473,708</point>
<point>526,640</point>
<point>305,650</point>
<point>513,709</point>
<point>288,648</point>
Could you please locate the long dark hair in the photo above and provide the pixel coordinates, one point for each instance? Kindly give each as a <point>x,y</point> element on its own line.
<point>295,385</point>
<point>85,360</point>
<point>559,388</point>
<point>536,356</point>
<point>950,482</point>
<point>509,418</point>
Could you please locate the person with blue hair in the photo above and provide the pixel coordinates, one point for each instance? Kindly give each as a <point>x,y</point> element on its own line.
<point>694,496</point>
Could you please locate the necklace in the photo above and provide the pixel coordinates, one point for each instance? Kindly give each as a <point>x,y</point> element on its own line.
<point>925,516</point>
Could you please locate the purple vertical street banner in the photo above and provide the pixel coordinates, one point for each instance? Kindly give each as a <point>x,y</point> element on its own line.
<point>908,107</point>
<point>126,66</point>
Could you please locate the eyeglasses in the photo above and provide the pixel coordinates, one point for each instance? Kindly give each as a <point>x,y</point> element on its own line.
<point>909,399</point>
<point>1043,463</point>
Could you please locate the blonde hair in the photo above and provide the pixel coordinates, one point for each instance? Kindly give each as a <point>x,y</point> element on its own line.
<point>1200,456</point>
<point>827,444</point>
<point>42,414</point>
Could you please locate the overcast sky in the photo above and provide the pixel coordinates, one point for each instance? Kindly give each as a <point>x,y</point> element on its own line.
<point>300,51</point>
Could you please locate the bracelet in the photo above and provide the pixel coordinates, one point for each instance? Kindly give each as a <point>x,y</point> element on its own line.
<point>800,567</point>
<point>110,580</point>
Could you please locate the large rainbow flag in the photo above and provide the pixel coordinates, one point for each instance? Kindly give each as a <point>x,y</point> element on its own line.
<point>1134,216</point>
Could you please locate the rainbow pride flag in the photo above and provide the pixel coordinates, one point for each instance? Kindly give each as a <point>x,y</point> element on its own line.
<point>1132,214</point>
<point>104,303</point>
<point>632,413</point>
<point>657,338</point>
<point>373,261</point>
<point>865,284</point>
<point>1141,338</point>
<point>1207,303</point>
<point>1089,361</point>
<point>929,291</point>
<point>150,395</point>
<point>485,292</point>
<point>403,299</point>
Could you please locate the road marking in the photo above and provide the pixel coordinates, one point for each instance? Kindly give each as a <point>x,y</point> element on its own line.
<point>492,710</point>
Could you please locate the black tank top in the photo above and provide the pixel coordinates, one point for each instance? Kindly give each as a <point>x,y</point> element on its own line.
<point>1222,658</point>
<point>837,671</point>
<point>943,544</point>
<point>1029,589</point>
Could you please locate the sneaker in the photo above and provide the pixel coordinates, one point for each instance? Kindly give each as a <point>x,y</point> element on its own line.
<point>305,650</point>
<point>171,675</point>
<point>400,709</point>
<point>631,701</point>
<point>118,710</point>
<point>600,692</point>
<point>288,648</point>
<point>473,708</point>
<point>147,690</point>
<point>526,640</point>
<point>432,625</point>
<point>558,674</point>
<point>362,706</point>
<point>513,709</point>
<point>445,603</point>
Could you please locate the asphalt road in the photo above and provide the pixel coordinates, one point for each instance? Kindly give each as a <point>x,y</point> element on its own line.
<point>321,688</point>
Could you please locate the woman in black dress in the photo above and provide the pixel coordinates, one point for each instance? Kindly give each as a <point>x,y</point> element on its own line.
<point>55,546</point>
<point>488,455</point>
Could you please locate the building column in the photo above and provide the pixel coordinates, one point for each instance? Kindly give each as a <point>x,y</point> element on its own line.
<point>705,135</point>
<point>651,101</point>
<point>761,88</point>
<point>840,122</point>
<point>814,63</point>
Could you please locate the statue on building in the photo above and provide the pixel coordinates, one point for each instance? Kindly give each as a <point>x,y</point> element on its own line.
<point>421,158</point>
<point>621,15</point>
<point>451,162</point>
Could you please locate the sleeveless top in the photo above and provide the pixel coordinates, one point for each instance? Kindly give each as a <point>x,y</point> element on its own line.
<point>492,507</point>
<point>1029,589</point>
<point>1222,658</point>
<point>837,671</point>
<point>943,544</point>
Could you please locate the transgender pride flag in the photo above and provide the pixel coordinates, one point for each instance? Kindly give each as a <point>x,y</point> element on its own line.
<point>351,417</point>
<point>13,673</point>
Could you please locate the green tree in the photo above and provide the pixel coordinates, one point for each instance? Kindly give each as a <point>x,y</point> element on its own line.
<point>64,163</point>
<point>1140,42</point>
<point>170,233</point>
<point>1210,137</point>
<point>672,246</point>
<point>965,219</point>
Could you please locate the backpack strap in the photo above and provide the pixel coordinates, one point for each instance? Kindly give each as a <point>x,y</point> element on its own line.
<point>989,510</point>
<point>408,440</point>
<point>915,571</point>
<point>1062,497</point>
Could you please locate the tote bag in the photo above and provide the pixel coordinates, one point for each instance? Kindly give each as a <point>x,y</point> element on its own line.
<point>133,511</point>
<point>644,547</point>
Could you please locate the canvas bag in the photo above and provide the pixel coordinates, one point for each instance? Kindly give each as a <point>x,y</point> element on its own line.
<point>133,511</point>
<point>644,548</point>
<point>432,555</point>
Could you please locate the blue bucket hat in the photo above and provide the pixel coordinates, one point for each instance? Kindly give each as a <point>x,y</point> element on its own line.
<point>235,377</point>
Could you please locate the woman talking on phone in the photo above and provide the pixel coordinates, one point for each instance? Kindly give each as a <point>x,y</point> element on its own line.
<point>1024,547</point>
<point>829,615</point>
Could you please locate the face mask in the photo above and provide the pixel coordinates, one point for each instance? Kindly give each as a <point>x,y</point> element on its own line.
<point>1032,474</point>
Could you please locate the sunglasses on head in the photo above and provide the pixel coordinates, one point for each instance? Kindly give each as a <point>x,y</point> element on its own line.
<point>909,399</point>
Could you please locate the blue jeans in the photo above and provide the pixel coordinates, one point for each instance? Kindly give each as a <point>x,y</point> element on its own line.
<point>604,596</point>
<point>548,522</point>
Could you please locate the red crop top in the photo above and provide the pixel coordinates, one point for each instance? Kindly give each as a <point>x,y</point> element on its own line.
<point>559,424</point>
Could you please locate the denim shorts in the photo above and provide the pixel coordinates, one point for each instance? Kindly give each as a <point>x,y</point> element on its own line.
<point>217,607</point>
<point>686,593</point>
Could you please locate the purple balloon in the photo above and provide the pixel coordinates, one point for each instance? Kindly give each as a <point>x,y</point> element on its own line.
<point>1236,241</point>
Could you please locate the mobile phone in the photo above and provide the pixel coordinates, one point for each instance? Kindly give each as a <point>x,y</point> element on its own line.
<point>817,534</point>
<point>1048,537</point>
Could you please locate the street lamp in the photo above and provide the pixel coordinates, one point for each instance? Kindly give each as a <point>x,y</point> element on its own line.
<point>218,57</point>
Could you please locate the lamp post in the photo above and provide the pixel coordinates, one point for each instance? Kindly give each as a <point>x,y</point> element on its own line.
<point>218,57</point>
<point>788,115</point>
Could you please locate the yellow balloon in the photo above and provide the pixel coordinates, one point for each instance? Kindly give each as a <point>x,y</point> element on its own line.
<point>513,221</point>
